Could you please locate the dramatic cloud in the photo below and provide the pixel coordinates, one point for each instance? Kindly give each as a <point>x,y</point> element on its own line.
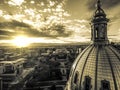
<point>84,9</point>
<point>13,24</point>
<point>105,3</point>
<point>14,28</point>
<point>64,20</point>
<point>5,34</point>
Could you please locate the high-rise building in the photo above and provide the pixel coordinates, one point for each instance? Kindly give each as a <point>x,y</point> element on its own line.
<point>98,66</point>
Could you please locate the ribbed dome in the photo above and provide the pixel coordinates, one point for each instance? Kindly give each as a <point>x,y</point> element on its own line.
<point>96,68</point>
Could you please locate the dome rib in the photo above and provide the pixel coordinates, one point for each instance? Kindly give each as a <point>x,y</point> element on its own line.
<point>111,67</point>
<point>85,65</point>
<point>77,59</point>
<point>114,51</point>
<point>116,64</point>
<point>103,71</point>
<point>96,69</point>
<point>100,63</point>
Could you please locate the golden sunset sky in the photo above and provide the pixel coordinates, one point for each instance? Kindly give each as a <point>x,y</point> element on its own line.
<point>54,21</point>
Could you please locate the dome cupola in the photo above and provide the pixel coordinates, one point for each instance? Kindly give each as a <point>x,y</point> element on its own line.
<point>99,26</point>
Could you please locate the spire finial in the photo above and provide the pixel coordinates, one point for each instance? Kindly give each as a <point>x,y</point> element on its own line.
<point>98,4</point>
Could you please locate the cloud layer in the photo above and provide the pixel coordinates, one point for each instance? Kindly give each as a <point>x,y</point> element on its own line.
<point>64,20</point>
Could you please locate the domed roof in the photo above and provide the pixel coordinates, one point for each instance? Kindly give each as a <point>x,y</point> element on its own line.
<point>98,66</point>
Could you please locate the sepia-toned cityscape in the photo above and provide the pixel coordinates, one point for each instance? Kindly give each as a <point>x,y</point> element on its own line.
<point>59,45</point>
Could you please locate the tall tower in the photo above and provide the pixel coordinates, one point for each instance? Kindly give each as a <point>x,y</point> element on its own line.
<point>98,66</point>
<point>99,26</point>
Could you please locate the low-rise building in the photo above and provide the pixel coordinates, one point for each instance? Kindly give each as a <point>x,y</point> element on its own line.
<point>10,70</point>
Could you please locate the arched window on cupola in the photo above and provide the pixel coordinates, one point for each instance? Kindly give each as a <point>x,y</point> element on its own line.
<point>105,85</point>
<point>102,31</point>
<point>96,32</point>
<point>87,83</point>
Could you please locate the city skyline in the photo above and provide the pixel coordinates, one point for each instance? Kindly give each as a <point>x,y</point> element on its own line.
<point>53,21</point>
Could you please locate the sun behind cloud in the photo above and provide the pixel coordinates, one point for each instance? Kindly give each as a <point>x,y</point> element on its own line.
<point>21,41</point>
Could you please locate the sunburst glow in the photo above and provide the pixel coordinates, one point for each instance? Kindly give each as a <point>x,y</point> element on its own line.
<point>21,41</point>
